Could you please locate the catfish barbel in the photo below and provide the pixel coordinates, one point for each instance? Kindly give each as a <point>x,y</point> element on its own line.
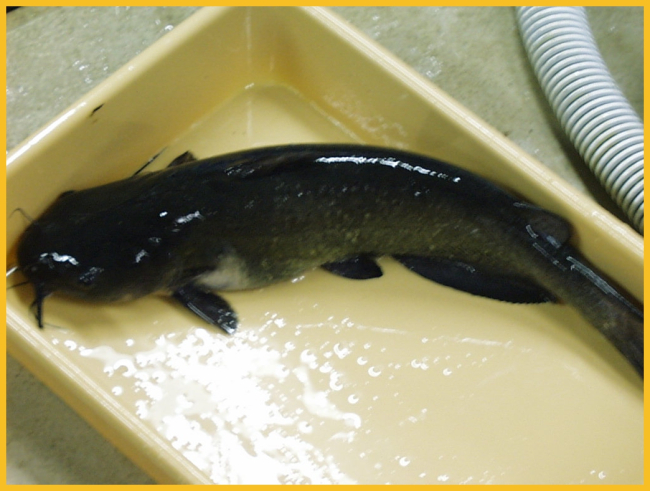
<point>256,217</point>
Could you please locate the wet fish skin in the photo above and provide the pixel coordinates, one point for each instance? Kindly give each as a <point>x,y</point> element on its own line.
<point>252,218</point>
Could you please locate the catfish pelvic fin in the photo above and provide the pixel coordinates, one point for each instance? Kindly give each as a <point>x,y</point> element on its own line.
<point>465,277</point>
<point>356,268</point>
<point>208,306</point>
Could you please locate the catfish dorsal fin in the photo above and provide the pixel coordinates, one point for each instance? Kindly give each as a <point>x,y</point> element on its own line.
<point>541,222</point>
<point>184,158</point>
<point>265,165</point>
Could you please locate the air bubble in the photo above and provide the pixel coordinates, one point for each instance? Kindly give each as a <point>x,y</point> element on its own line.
<point>335,381</point>
<point>307,356</point>
<point>70,344</point>
<point>305,427</point>
<point>341,351</point>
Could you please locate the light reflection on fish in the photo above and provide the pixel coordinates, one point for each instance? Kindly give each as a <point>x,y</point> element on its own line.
<point>252,218</point>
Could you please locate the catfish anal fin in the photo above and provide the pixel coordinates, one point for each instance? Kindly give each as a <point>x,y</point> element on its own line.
<point>356,268</point>
<point>208,306</point>
<point>466,278</point>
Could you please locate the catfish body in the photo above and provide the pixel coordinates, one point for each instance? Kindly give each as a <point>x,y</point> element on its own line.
<point>252,218</point>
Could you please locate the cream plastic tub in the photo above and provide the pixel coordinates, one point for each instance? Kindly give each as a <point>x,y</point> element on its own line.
<point>327,380</point>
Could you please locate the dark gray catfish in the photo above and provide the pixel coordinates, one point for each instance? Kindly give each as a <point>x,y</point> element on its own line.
<point>248,219</point>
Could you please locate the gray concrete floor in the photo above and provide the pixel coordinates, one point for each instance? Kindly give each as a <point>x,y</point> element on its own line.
<point>55,55</point>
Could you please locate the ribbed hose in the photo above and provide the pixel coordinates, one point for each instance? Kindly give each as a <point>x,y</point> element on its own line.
<point>595,115</point>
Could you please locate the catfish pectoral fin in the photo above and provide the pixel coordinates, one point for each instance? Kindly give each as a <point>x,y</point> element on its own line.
<point>208,306</point>
<point>467,278</point>
<point>356,268</point>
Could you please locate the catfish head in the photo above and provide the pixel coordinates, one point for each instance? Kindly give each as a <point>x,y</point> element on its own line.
<point>93,256</point>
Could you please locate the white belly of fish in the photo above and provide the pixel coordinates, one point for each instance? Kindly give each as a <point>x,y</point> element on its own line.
<point>230,275</point>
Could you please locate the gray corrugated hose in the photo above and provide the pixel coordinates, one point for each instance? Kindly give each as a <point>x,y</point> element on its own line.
<point>595,115</point>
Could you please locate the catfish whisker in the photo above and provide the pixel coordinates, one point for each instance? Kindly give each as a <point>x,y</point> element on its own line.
<point>23,213</point>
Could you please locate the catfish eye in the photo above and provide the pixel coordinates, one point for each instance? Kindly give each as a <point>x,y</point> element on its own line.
<point>89,278</point>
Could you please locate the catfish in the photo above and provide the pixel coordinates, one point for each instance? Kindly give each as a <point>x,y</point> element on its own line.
<point>252,218</point>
